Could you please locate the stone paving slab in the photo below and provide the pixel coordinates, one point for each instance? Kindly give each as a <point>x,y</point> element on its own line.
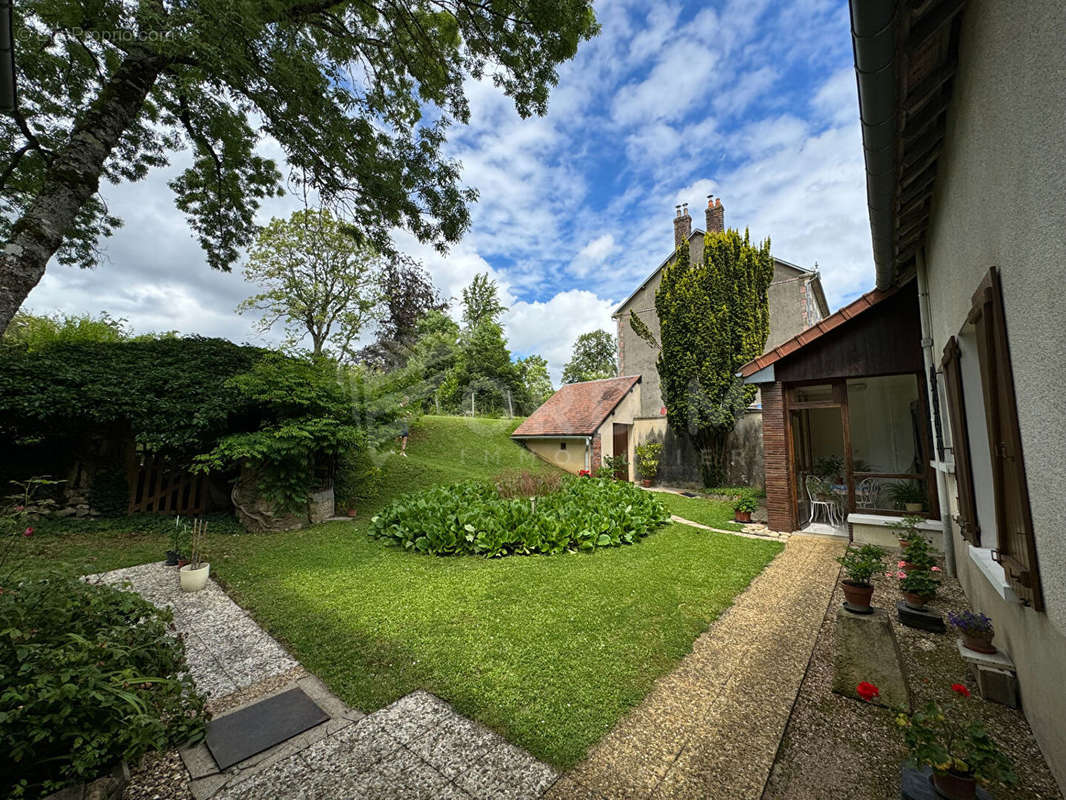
<point>712,726</point>
<point>225,649</point>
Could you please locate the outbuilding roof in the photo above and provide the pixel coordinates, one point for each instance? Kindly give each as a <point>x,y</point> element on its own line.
<point>816,331</point>
<point>577,409</point>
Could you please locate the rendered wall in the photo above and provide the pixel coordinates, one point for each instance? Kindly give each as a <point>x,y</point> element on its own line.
<point>572,459</point>
<point>1000,188</point>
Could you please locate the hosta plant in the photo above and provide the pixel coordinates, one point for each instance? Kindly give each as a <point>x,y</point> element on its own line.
<point>473,519</point>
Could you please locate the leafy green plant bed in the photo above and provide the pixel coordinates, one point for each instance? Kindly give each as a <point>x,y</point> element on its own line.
<point>89,675</point>
<point>473,519</point>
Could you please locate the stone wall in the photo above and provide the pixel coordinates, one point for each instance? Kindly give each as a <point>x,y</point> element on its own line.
<point>679,463</point>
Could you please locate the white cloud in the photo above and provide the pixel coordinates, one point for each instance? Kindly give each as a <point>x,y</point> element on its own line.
<point>593,254</point>
<point>551,327</point>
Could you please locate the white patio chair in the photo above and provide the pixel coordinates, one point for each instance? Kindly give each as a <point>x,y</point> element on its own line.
<point>820,496</point>
<point>867,492</point>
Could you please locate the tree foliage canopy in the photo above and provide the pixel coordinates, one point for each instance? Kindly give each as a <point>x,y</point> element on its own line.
<point>481,301</point>
<point>316,280</point>
<point>592,358</point>
<point>358,96</point>
<point>713,318</point>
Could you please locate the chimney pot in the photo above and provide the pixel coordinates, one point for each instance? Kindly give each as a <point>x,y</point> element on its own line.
<point>715,215</point>
<point>682,225</point>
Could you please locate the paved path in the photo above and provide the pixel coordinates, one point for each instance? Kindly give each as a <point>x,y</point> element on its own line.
<point>418,747</point>
<point>710,729</point>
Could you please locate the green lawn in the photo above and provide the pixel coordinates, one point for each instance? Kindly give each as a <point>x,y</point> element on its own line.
<point>713,513</point>
<point>550,651</point>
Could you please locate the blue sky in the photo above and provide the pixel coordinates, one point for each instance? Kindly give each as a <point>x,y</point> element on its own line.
<point>753,101</point>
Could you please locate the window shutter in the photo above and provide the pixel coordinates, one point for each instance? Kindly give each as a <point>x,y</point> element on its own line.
<point>1015,544</point>
<point>960,443</point>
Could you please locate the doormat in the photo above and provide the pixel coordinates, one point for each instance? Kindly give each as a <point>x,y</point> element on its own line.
<point>240,735</point>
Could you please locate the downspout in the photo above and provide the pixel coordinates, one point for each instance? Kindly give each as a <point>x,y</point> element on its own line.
<point>588,453</point>
<point>873,36</point>
<point>929,360</point>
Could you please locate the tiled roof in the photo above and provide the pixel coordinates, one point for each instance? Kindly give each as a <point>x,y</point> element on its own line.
<point>577,409</point>
<point>816,331</point>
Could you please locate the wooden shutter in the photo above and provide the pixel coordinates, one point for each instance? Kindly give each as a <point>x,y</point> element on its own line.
<point>1015,545</point>
<point>960,443</point>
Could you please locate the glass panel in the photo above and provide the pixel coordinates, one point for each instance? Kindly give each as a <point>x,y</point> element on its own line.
<point>891,494</point>
<point>818,447</point>
<point>885,419</point>
<point>810,394</point>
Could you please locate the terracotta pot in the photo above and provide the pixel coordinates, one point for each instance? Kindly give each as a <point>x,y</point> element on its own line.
<point>955,786</point>
<point>916,601</point>
<point>903,543</point>
<point>182,562</point>
<point>979,643</point>
<point>742,516</point>
<point>351,512</point>
<point>857,596</point>
<point>645,481</point>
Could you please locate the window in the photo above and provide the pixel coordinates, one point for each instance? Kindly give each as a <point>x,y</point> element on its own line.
<point>991,453</point>
<point>562,445</point>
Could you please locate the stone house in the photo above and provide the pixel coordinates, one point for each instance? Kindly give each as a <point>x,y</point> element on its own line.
<point>797,301</point>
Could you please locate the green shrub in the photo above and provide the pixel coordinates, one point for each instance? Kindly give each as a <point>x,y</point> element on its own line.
<point>746,503</point>
<point>89,675</point>
<point>355,478</point>
<point>473,519</point>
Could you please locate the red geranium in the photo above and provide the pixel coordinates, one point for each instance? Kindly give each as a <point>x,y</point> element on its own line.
<point>583,473</point>
<point>28,532</point>
<point>867,691</point>
<point>958,688</point>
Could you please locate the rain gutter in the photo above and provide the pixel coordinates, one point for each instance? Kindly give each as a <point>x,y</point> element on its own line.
<point>874,25</point>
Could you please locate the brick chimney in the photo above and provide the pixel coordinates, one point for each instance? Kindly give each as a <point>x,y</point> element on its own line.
<point>715,215</point>
<point>682,225</point>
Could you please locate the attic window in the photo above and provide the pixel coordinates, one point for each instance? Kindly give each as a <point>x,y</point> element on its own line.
<point>562,445</point>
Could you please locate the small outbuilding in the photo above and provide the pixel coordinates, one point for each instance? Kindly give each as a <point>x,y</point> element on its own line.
<point>584,422</point>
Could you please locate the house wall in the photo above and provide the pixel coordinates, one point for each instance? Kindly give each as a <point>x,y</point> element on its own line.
<point>572,459</point>
<point>1000,188</point>
<point>627,409</point>
<point>790,312</point>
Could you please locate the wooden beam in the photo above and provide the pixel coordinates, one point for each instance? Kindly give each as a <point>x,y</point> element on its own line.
<point>932,22</point>
<point>922,147</point>
<point>930,89</point>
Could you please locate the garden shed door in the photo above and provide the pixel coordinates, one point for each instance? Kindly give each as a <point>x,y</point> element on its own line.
<point>621,448</point>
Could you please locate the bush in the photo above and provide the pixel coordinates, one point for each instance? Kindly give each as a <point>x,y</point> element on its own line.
<point>473,519</point>
<point>89,675</point>
<point>523,483</point>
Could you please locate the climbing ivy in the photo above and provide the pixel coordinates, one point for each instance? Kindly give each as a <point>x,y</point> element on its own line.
<point>713,317</point>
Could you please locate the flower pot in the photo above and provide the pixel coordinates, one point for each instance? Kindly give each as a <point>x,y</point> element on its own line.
<point>182,561</point>
<point>645,481</point>
<point>903,543</point>
<point>916,601</point>
<point>954,786</point>
<point>193,580</point>
<point>742,516</point>
<point>913,507</point>
<point>857,596</point>
<point>979,642</point>
<point>172,558</point>
<point>351,512</point>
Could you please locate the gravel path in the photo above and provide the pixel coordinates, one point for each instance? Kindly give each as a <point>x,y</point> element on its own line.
<point>711,728</point>
<point>836,748</point>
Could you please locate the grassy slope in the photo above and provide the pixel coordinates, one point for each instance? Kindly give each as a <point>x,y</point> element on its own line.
<point>550,651</point>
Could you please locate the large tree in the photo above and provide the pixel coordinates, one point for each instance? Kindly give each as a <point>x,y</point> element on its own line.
<point>316,280</point>
<point>713,318</point>
<point>107,89</point>
<point>481,301</point>
<point>592,358</point>
<point>536,382</point>
<point>409,297</point>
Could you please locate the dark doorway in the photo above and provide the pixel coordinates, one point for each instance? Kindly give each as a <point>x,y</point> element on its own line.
<point>621,449</point>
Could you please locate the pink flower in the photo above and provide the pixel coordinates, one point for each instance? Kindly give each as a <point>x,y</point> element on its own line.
<point>901,563</point>
<point>901,574</point>
<point>935,569</point>
<point>28,532</point>
<point>20,508</point>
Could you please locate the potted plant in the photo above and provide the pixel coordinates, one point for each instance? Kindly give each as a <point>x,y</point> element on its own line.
<point>194,574</point>
<point>918,554</point>
<point>860,564</point>
<point>648,461</point>
<point>918,587</point>
<point>959,751</point>
<point>906,529</point>
<point>743,507</point>
<point>830,469</point>
<point>351,511</point>
<point>976,629</point>
<point>907,495</point>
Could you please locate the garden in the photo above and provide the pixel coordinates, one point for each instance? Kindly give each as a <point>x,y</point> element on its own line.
<point>549,650</point>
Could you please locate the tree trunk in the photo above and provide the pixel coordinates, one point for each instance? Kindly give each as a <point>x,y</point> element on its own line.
<point>72,178</point>
<point>713,453</point>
